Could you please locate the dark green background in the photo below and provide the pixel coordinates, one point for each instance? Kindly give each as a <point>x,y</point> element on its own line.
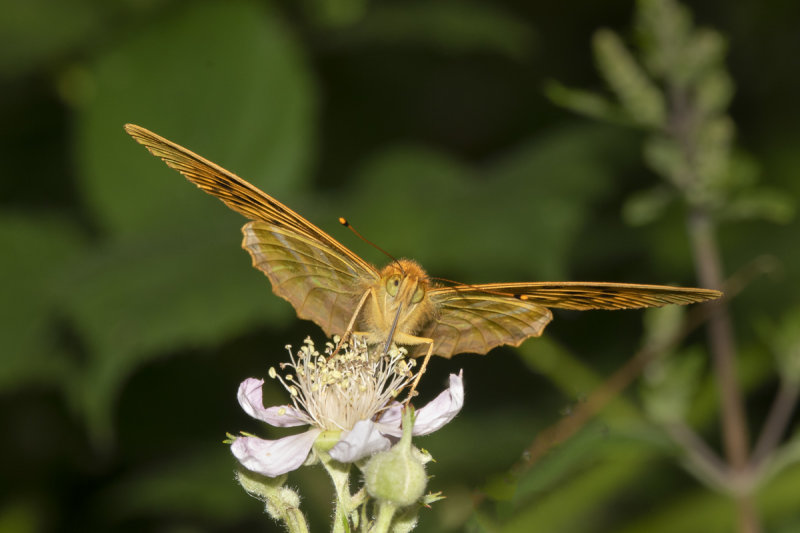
<point>129,314</point>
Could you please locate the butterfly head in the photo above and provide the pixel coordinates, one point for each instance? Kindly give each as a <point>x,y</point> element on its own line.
<point>404,282</point>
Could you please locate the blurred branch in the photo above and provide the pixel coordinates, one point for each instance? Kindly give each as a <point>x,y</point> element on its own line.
<point>610,389</point>
<point>625,375</point>
<point>699,454</point>
<point>778,419</point>
<point>686,125</point>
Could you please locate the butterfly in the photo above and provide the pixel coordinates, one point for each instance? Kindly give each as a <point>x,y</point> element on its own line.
<point>333,287</point>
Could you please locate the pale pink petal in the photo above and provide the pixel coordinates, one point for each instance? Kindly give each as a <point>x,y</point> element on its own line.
<point>393,415</point>
<point>364,439</point>
<point>442,409</point>
<point>433,416</point>
<point>430,418</point>
<point>250,399</point>
<point>274,457</point>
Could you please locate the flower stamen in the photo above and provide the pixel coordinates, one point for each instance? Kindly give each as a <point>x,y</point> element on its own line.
<point>336,391</point>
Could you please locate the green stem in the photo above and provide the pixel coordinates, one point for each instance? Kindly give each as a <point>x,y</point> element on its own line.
<point>384,520</point>
<point>340,475</point>
<point>295,521</point>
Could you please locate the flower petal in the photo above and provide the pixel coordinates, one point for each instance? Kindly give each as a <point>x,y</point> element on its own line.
<point>442,409</point>
<point>364,439</point>
<point>250,398</point>
<point>274,457</point>
<point>433,416</point>
<point>393,414</point>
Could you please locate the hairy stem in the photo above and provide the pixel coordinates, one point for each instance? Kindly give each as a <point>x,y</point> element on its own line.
<point>340,476</point>
<point>384,519</point>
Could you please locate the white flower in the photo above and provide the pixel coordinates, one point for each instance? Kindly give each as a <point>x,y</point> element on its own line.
<point>351,393</point>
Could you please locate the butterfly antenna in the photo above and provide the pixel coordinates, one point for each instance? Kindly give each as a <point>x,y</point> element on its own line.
<point>450,281</point>
<point>343,221</point>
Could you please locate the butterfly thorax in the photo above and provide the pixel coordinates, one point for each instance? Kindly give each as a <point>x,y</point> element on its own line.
<point>400,294</point>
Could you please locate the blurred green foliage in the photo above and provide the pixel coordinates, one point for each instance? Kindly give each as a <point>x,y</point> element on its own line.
<point>130,313</point>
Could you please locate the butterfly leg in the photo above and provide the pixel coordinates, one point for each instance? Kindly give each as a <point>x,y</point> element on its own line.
<point>410,339</point>
<point>349,331</point>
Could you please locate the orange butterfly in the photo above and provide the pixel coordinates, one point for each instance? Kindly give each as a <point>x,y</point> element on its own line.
<point>332,286</point>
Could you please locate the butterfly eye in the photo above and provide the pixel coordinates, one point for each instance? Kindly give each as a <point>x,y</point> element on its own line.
<point>418,294</point>
<point>393,284</point>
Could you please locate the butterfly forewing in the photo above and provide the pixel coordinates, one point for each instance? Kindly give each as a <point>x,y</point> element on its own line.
<point>307,267</point>
<point>582,296</point>
<point>235,192</point>
<point>321,284</point>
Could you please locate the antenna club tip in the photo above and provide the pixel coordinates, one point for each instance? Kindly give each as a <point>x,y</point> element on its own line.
<point>343,221</point>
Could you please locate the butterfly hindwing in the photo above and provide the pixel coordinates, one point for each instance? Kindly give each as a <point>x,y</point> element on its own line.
<point>469,320</point>
<point>322,284</point>
<point>476,318</point>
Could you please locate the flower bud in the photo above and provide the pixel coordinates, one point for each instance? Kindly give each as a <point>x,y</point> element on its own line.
<point>397,476</point>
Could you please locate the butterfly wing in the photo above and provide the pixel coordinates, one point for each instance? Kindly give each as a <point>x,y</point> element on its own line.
<point>476,318</point>
<point>322,284</point>
<point>582,296</point>
<point>322,279</point>
<point>471,320</point>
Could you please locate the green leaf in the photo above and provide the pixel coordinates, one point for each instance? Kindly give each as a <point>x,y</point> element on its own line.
<point>703,54</point>
<point>570,374</point>
<point>646,206</point>
<point>713,152</point>
<point>586,103</point>
<point>784,340</point>
<point>760,203</point>
<point>663,155</point>
<point>638,95</point>
<point>199,484</point>
<point>714,92</point>
<point>24,514</point>
<point>662,324</point>
<point>336,13</point>
<point>38,31</point>
<point>576,454</point>
<point>515,218</point>
<point>662,28</point>
<point>226,80</point>
<point>670,385</point>
<point>617,464</point>
<point>36,252</point>
<point>139,299</point>
<point>450,26</point>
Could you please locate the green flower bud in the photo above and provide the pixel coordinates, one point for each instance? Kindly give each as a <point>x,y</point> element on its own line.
<point>397,476</point>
